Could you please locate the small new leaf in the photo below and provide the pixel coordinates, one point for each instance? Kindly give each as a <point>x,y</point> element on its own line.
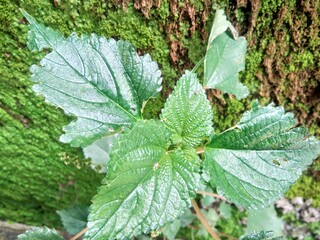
<point>146,186</point>
<point>225,58</point>
<point>102,82</point>
<point>187,112</point>
<point>255,163</point>
<point>220,25</point>
<point>40,233</point>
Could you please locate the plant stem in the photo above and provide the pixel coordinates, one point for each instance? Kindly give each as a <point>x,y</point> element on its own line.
<point>83,231</point>
<point>212,195</point>
<point>204,221</point>
<point>226,235</point>
<point>197,65</point>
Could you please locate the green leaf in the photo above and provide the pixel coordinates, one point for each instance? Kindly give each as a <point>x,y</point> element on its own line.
<point>225,210</point>
<point>225,58</point>
<point>41,37</point>
<point>102,82</point>
<point>146,187</point>
<point>266,220</point>
<point>74,219</point>
<point>187,112</point>
<point>40,233</point>
<point>187,218</point>
<point>254,163</point>
<point>262,235</point>
<point>219,26</point>
<point>99,152</point>
<point>171,229</point>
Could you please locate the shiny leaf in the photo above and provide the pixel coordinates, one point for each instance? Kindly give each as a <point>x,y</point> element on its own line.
<point>147,185</point>
<point>41,37</point>
<point>187,112</point>
<point>254,163</point>
<point>40,233</point>
<point>102,82</point>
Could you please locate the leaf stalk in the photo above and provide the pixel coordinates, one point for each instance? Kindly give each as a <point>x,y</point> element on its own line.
<point>83,231</point>
<point>204,221</point>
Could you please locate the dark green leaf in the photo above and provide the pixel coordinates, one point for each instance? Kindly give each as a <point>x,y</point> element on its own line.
<point>225,58</point>
<point>146,186</point>
<point>102,82</point>
<point>74,219</point>
<point>187,112</point>
<point>41,37</point>
<point>40,233</point>
<point>254,163</point>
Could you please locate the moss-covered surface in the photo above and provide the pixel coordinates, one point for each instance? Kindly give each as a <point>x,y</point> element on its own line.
<point>282,66</point>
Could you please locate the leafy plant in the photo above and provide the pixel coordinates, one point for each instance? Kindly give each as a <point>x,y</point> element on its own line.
<point>156,167</point>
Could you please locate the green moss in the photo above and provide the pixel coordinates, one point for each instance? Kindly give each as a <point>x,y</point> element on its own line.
<point>307,186</point>
<point>228,114</point>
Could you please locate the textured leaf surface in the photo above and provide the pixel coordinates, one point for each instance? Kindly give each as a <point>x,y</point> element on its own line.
<point>262,235</point>
<point>74,219</point>
<point>254,163</point>
<point>225,57</point>
<point>40,233</point>
<point>102,82</point>
<point>187,112</point>
<point>146,186</point>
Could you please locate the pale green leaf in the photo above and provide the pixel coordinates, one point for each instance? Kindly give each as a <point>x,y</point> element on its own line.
<point>219,26</point>
<point>262,235</point>
<point>171,229</point>
<point>264,220</point>
<point>187,112</point>
<point>98,152</point>
<point>225,210</point>
<point>254,163</point>
<point>102,82</point>
<point>147,185</point>
<point>40,233</point>
<point>74,219</point>
<point>187,218</point>
<point>225,58</point>
<point>211,216</point>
